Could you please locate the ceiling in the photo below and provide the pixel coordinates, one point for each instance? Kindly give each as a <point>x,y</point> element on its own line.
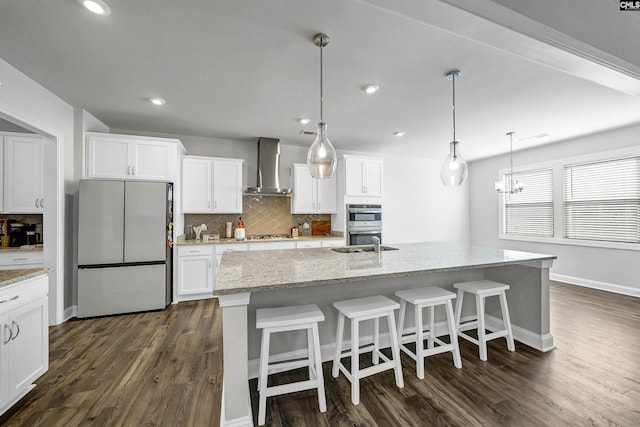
<point>244,68</point>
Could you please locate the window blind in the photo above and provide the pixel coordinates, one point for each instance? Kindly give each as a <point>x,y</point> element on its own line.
<point>602,200</point>
<point>530,212</point>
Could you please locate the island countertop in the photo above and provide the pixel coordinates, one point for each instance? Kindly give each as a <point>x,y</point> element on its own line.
<point>280,269</point>
<point>9,277</point>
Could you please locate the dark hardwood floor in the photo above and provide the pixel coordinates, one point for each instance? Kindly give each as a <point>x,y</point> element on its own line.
<point>164,368</point>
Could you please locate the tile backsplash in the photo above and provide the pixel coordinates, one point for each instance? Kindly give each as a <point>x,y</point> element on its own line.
<point>261,214</point>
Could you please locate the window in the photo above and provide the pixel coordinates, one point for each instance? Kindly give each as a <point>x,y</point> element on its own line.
<point>530,212</point>
<point>590,200</point>
<point>602,200</point>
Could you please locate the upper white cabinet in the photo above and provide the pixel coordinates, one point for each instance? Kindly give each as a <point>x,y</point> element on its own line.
<point>23,174</point>
<point>363,176</point>
<point>211,185</point>
<point>128,157</point>
<point>312,196</point>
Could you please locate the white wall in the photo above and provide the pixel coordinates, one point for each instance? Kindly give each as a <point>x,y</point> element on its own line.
<point>613,269</point>
<point>26,103</point>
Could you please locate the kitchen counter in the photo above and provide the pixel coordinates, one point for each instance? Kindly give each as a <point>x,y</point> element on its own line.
<point>249,280</point>
<point>232,240</point>
<point>8,277</point>
<point>34,248</point>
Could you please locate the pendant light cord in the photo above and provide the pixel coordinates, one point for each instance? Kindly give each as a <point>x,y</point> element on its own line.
<point>453,81</point>
<point>321,92</point>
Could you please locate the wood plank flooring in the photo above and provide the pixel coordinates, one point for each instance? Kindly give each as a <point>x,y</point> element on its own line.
<point>164,368</point>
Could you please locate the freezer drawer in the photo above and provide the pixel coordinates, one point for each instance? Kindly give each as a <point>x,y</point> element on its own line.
<point>123,289</point>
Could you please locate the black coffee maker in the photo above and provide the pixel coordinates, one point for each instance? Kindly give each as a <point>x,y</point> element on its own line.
<point>32,236</point>
<point>17,234</point>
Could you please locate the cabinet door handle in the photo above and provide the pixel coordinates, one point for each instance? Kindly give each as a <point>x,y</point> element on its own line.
<point>215,204</point>
<point>7,330</point>
<point>133,170</point>
<point>42,203</point>
<point>37,203</point>
<point>20,259</point>
<point>13,322</point>
<point>128,170</point>
<point>209,262</point>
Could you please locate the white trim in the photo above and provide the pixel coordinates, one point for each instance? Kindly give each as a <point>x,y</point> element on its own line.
<point>232,300</point>
<point>595,284</point>
<point>246,421</point>
<point>542,343</point>
<point>70,312</point>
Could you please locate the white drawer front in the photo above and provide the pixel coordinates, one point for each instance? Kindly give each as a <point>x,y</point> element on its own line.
<point>193,250</point>
<point>21,258</point>
<point>222,248</point>
<point>309,244</point>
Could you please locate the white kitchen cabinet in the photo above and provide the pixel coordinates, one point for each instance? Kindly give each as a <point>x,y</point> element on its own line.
<point>211,185</point>
<point>195,271</point>
<point>312,196</point>
<point>333,243</point>
<point>129,157</point>
<point>12,260</point>
<point>227,247</point>
<point>302,244</point>
<point>363,176</point>
<point>266,246</point>
<point>24,338</point>
<point>23,174</point>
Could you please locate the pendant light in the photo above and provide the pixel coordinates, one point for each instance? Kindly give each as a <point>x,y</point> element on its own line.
<point>321,158</point>
<point>513,186</point>
<point>454,169</point>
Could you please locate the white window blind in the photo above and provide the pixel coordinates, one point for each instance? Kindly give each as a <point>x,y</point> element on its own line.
<point>530,212</point>
<point>602,200</point>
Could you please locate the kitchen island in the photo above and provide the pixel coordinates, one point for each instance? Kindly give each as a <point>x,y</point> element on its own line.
<point>250,280</point>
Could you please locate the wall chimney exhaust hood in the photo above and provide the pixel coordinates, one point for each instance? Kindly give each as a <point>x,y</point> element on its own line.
<point>268,182</point>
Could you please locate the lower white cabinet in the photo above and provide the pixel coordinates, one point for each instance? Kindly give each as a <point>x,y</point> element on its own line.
<point>309,244</point>
<point>24,338</point>
<point>195,271</point>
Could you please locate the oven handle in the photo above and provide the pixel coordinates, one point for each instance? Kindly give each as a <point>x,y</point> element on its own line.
<point>365,232</point>
<point>361,210</point>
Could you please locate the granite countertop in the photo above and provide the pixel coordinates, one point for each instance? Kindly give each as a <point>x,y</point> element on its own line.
<point>247,271</point>
<point>9,277</point>
<point>28,248</point>
<point>226,241</point>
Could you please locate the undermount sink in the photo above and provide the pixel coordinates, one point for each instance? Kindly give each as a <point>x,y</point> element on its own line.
<point>366,248</point>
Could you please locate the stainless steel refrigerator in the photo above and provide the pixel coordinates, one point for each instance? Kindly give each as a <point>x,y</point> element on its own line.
<point>124,246</point>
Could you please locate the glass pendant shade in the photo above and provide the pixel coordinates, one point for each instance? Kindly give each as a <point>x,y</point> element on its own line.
<point>454,169</point>
<point>321,157</point>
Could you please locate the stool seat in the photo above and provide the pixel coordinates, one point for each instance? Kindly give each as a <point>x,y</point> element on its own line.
<point>430,298</point>
<point>285,316</point>
<point>425,295</point>
<point>358,310</point>
<point>285,319</point>
<point>483,289</point>
<point>362,307</point>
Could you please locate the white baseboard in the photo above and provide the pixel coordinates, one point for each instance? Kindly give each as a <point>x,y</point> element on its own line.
<point>603,286</point>
<point>542,343</point>
<point>70,312</point>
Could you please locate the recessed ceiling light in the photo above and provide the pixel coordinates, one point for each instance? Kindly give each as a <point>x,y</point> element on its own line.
<point>371,88</point>
<point>304,121</point>
<point>157,101</point>
<point>400,133</point>
<point>98,7</point>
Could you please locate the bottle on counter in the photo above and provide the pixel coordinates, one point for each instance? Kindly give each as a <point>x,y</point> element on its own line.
<point>239,233</point>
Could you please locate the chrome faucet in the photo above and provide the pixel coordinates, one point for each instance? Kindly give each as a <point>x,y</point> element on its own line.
<point>376,243</point>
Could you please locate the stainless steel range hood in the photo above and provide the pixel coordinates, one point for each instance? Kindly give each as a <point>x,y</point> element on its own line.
<point>269,169</point>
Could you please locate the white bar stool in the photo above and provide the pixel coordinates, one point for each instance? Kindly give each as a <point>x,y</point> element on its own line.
<point>483,289</point>
<point>283,319</point>
<point>430,297</point>
<point>358,310</point>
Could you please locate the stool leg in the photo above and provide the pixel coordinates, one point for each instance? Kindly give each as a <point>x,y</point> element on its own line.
<point>403,310</point>
<point>336,358</point>
<point>507,321</point>
<point>355,362</point>
<point>322,400</point>
<point>310,353</point>
<point>376,341</point>
<point>432,310</point>
<point>459,308</point>
<point>395,350</point>
<point>419,342</point>
<point>264,374</point>
<point>482,341</point>
<point>453,336</point>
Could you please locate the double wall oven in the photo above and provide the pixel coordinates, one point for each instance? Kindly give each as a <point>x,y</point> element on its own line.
<point>363,223</point>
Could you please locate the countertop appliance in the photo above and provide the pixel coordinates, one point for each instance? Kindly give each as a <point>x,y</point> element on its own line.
<point>363,223</point>
<point>124,251</point>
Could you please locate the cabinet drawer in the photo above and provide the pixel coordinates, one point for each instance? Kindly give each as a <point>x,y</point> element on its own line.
<point>194,250</point>
<point>333,243</point>
<point>220,249</point>
<point>266,246</point>
<point>21,293</point>
<point>17,258</point>
<point>309,244</point>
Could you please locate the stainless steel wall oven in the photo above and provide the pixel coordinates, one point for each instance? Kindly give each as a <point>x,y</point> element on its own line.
<point>363,223</point>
